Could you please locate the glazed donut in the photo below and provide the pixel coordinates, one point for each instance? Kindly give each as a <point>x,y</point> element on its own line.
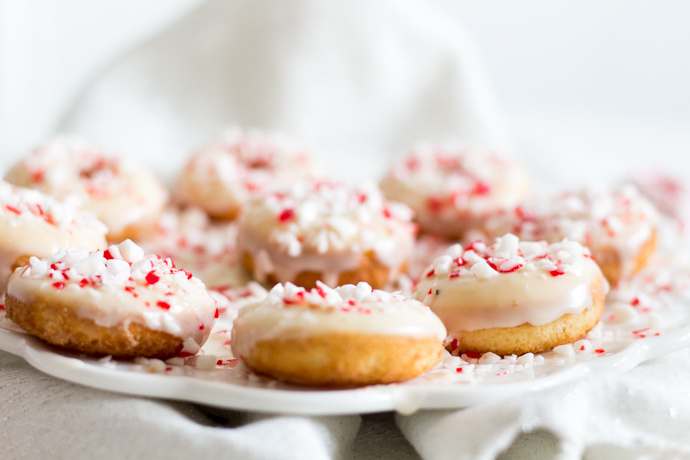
<point>221,176</point>
<point>348,336</point>
<point>618,226</point>
<point>197,244</point>
<point>116,302</point>
<point>452,188</point>
<point>324,231</point>
<point>514,297</point>
<point>34,224</point>
<point>122,193</point>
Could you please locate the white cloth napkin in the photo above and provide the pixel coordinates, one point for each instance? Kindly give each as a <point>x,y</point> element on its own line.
<point>643,413</point>
<point>354,80</point>
<point>45,418</point>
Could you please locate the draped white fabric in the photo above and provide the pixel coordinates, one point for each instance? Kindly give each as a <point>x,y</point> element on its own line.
<point>356,81</point>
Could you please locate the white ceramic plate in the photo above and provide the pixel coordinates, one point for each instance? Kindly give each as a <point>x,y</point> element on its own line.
<point>230,385</point>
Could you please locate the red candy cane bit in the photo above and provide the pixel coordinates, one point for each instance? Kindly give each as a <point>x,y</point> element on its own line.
<point>454,274</point>
<point>107,255</point>
<point>201,327</point>
<point>163,305</point>
<point>556,272</point>
<point>387,213</point>
<point>37,175</point>
<point>59,285</point>
<point>640,331</point>
<point>412,163</point>
<point>286,215</point>
<point>515,268</point>
<point>219,362</point>
<point>185,354</point>
<point>460,261</point>
<point>434,204</point>
<point>431,273</point>
<point>152,278</point>
<point>582,348</point>
<point>599,351</point>
<point>429,293</point>
<point>351,303</point>
<point>502,373</point>
<point>215,315</point>
<point>473,354</point>
<point>481,188</point>
<point>454,344</point>
<point>635,302</point>
<point>11,208</point>
<point>458,369</point>
<point>2,307</point>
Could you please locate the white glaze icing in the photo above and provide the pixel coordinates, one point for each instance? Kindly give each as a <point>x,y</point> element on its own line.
<point>121,192</point>
<point>221,177</point>
<point>598,218</point>
<point>453,188</point>
<point>509,283</point>
<point>324,227</point>
<point>119,286</point>
<point>291,312</point>
<point>32,223</point>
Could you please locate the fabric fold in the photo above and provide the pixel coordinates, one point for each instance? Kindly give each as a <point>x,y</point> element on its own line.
<point>602,416</point>
<point>43,417</point>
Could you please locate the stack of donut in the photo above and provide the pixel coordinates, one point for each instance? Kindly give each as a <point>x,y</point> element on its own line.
<point>250,207</point>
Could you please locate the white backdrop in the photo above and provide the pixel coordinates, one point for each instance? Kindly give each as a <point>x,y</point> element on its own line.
<point>604,80</point>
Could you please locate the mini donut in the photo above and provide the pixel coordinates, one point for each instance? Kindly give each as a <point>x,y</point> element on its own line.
<point>34,224</point>
<point>452,188</point>
<point>669,194</point>
<point>116,302</point>
<point>121,192</point>
<point>199,245</point>
<point>325,231</point>
<point>220,177</point>
<point>514,297</point>
<point>348,336</point>
<point>618,226</point>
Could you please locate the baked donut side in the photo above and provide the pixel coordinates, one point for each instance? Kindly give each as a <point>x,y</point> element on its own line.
<point>117,302</point>
<point>350,336</point>
<point>121,192</point>
<point>324,231</point>
<point>63,327</point>
<point>514,297</point>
